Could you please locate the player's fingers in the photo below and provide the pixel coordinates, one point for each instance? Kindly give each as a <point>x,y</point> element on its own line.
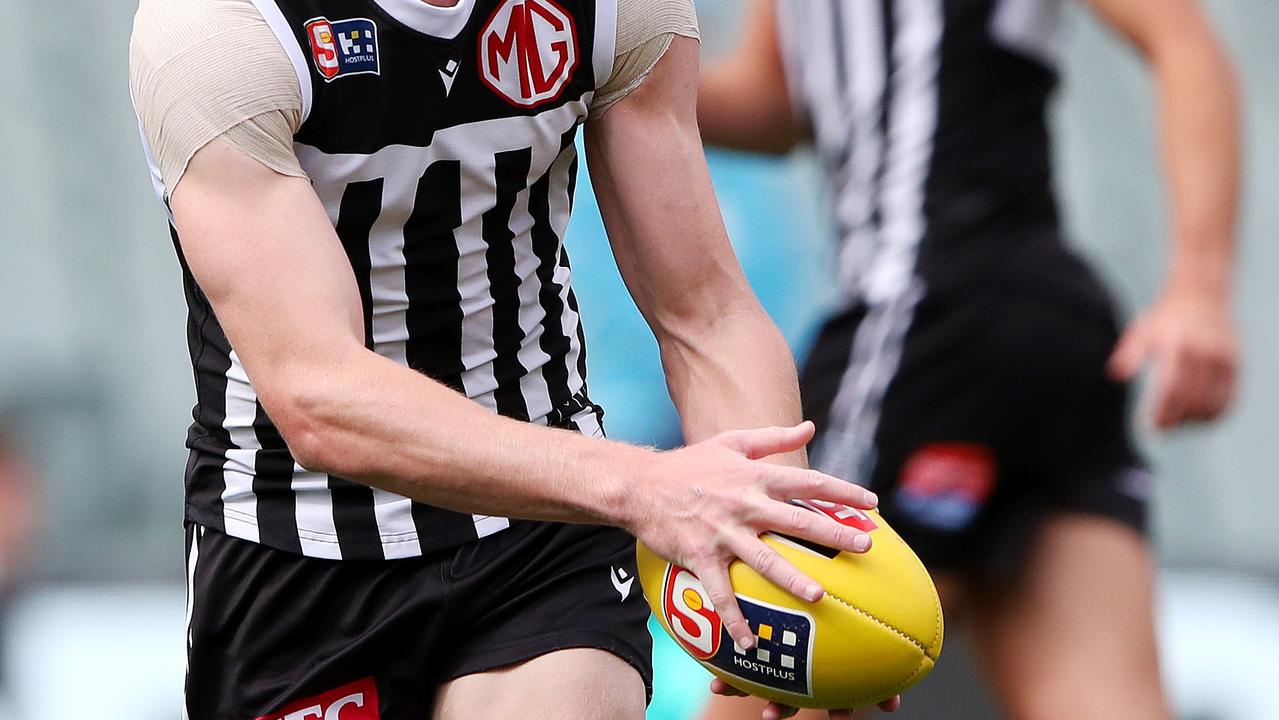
<point>1221,382</point>
<point>841,714</point>
<point>791,483</point>
<point>715,579</point>
<point>816,527</point>
<point>1201,396</point>
<point>1126,360</point>
<point>778,570</point>
<point>774,711</point>
<point>762,442</point>
<point>1167,401</point>
<point>891,704</point>
<point>719,687</point>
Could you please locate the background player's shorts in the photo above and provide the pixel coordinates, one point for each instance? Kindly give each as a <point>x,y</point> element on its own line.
<point>274,633</point>
<point>1000,413</point>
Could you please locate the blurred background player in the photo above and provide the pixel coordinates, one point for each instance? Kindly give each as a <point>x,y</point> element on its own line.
<point>973,374</point>
<point>17,530</point>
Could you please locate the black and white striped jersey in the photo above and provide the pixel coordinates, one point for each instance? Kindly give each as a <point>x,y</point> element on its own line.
<point>930,117</point>
<point>441,143</point>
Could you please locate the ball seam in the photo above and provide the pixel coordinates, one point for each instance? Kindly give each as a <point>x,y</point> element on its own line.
<point>937,624</point>
<point>906,636</point>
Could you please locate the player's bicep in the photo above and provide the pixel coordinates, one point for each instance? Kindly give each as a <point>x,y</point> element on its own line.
<point>656,198</point>
<point>264,252</point>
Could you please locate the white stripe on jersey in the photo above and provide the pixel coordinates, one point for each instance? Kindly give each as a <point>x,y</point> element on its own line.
<point>486,525</point>
<point>280,26</point>
<point>316,530</point>
<point>605,41</point>
<point>478,350</point>
<point>892,289</point>
<point>192,557</point>
<point>1032,27</point>
<point>533,385</point>
<point>868,77</point>
<point>394,513</point>
<point>563,276</point>
<point>239,503</point>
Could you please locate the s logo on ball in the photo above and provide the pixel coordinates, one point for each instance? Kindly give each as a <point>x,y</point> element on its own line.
<point>691,614</point>
<point>875,632</point>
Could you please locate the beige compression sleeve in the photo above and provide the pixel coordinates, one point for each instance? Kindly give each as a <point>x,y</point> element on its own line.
<point>645,29</point>
<point>202,69</point>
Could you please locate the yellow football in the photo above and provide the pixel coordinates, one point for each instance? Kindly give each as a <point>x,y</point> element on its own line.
<point>875,633</point>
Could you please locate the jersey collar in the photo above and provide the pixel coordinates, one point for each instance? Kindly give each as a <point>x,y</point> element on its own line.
<point>444,23</point>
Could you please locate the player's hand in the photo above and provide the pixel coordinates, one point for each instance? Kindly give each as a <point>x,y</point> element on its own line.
<point>774,711</point>
<point>705,505</point>
<point>1188,336</point>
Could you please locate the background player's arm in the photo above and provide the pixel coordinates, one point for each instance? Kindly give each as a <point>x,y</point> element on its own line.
<point>1188,333</point>
<point>743,98</point>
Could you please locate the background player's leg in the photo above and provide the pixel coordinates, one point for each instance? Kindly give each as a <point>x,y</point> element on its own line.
<point>1072,636</point>
<point>576,684</point>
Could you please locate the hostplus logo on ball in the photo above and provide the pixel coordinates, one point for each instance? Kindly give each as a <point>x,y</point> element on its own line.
<point>782,656</point>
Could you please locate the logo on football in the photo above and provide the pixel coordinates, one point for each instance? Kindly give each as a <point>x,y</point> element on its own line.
<point>528,51</point>
<point>691,614</point>
<point>876,631</point>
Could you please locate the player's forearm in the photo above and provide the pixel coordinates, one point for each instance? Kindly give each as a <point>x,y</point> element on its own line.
<point>735,371</point>
<point>1200,145</point>
<point>368,419</point>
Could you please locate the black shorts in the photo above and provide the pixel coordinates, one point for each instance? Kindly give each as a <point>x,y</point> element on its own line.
<point>998,413</point>
<point>273,633</point>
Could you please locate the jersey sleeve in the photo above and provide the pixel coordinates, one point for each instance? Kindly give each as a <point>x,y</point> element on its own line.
<point>203,69</point>
<point>645,29</point>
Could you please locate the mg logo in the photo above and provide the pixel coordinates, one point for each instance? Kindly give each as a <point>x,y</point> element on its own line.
<point>528,51</point>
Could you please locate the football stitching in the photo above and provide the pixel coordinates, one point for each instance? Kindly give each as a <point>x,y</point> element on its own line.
<point>937,625</point>
<point>902,633</point>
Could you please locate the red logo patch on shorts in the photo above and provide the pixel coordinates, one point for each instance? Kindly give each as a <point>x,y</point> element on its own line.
<point>357,701</point>
<point>945,484</point>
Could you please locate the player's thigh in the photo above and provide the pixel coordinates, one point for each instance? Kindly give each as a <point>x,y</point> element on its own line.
<point>1072,635</point>
<point>574,684</point>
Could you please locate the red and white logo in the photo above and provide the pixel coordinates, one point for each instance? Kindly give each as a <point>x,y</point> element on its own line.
<point>842,514</point>
<point>690,614</point>
<point>357,701</point>
<point>528,51</point>
<point>324,47</point>
<point>962,470</point>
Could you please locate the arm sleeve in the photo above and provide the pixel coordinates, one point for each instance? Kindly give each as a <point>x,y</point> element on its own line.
<point>645,29</point>
<point>203,69</point>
